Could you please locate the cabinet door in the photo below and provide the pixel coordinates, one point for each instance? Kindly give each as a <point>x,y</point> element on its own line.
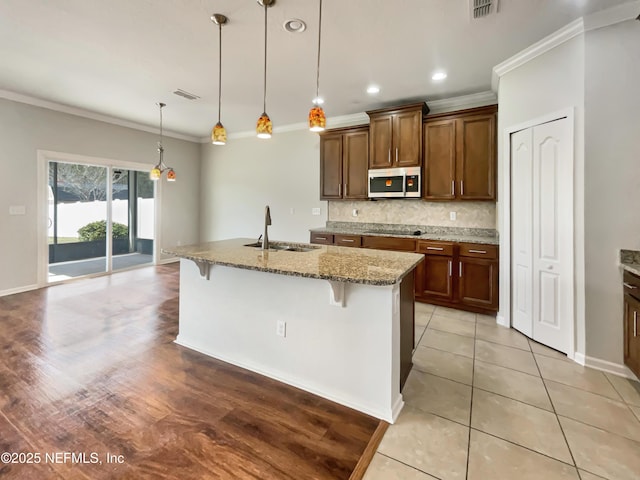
<point>355,161</point>
<point>437,280</point>
<point>476,157</point>
<point>331,166</point>
<point>407,139</point>
<point>439,160</point>
<point>380,129</point>
<point>478,282</point>
<point>632,334</point>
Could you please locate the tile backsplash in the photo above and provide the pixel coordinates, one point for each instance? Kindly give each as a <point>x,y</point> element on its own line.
<point>415,212</point>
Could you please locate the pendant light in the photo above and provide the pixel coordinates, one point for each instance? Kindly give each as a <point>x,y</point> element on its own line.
<point>218,133</point>
<point>156,172</point>
<point>317,118</point>
<point>264,127</point>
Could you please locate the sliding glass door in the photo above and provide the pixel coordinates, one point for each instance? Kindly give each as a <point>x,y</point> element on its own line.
<point>101,219</point>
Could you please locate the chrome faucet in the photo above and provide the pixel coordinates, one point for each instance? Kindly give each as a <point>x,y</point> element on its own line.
<point>267,222</point>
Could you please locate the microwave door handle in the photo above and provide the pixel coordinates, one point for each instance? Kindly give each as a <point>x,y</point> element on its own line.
<point>404,184</point>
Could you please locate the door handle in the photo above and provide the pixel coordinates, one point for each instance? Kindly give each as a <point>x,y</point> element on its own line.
<point>628,285</point>
<point>635,323</point>
<point>346,189</point>
<point>389,156</point>
<point>461,187</point>
<point>450,268</point>
<point>453,187</point>
<point>396,154</point>
<point>339,189</point>
<point>460,269</point>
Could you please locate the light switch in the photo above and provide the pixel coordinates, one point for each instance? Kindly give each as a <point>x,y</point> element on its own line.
<point>17,210</point>
<point>315,211</point>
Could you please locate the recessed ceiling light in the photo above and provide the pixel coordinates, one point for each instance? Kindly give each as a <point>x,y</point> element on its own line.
<point>439,76</point>
<point>295,25</point>
<point>318,100</point>
<point>373,89</point>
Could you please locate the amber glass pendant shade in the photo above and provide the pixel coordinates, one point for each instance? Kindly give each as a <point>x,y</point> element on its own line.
<point>218,135</point>
<point>171,175</point>
<point>264,128</point>
<point>155,173</point>
<point>317,119</point>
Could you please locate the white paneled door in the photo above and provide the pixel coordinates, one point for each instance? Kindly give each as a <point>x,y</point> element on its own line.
<point>542,233</point>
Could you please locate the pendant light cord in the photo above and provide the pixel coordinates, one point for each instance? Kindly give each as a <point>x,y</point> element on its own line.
<point>264,95</point>
<point>219,70</point>
<point>318,66</point>
<point>160,105</point>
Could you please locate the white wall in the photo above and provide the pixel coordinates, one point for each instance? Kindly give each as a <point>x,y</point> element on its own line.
<point>612,177</point>
<point>24,129</point>
<point>549,83</point>
<point>241,177</point>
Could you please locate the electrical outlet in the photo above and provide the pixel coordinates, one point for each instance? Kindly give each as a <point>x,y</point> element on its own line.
<point>315,211</point>
<point>453,216</point>
<point>281,328</point>
<point>354,212</point>
<point>17,210</point>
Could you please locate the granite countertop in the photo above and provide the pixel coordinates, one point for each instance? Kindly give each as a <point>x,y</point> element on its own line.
<point>448,234</point>
<point>630,261</point>
<point>326,262</point>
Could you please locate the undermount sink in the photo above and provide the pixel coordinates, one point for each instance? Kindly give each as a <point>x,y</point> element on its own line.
<point>288,247</point>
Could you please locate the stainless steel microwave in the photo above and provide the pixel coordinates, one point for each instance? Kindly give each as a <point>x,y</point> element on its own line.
<point>395,183</point>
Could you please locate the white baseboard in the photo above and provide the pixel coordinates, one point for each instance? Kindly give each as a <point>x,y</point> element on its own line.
<point>12,291</point>
<point>606,366</point>
<point>501,320</point>
<point>168,260</point>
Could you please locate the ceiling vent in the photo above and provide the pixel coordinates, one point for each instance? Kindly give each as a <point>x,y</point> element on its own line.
<point>482,8</point>
<point>187,95</point>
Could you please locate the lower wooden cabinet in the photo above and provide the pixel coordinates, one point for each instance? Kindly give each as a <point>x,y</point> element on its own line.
<point>463,276</point>
<point>632,322</point>
<point>457,275</point>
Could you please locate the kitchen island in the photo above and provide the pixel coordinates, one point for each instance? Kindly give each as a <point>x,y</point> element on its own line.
<point>334,321</point>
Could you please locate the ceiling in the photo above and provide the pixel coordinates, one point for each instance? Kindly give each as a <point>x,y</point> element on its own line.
<point>119,57</point>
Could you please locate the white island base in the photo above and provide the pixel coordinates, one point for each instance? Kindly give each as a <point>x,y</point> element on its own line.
<point>348,354</point>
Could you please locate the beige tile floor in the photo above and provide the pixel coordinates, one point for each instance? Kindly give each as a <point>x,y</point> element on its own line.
<point>485,403</point>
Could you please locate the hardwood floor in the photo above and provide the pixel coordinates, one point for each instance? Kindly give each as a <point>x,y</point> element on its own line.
<point>91,368</point>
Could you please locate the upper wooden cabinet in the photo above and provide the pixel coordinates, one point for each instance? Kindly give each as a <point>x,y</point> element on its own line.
<point>460,155</point>
<point>344,158</point>
<point>396,136</point>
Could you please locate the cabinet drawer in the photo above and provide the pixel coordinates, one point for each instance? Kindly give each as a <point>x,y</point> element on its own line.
<point>479,250</point>
<point>631,284</point>
<point>323,238</point>
<point>347,240</point>
<point>390,243</point>
<point>435,248</point>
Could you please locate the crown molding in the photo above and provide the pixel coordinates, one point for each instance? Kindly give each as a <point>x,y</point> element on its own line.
<point>559,37</point>
<point>613,15</point>
<point>480,99</point>
<point>603,18</point>
<point>79,112</point>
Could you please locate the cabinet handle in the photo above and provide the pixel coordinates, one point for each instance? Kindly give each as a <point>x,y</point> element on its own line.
<point>628,285</point>
<point>635,323</point>
<point>450,268</point>
<point>453,187</point>
<point>339,189</point>
<point>460,269</point>
<point>396,154</point>
<point>346,240</point>
<point>346,189</point>
<point>321,238</point>
<point>461,187</point>
<point>477,251</point>
<point>389,156</point>
<point>435,248</point>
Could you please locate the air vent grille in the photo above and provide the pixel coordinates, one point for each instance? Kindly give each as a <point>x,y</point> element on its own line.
<point>482,8</point>
<point>187,95</point>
